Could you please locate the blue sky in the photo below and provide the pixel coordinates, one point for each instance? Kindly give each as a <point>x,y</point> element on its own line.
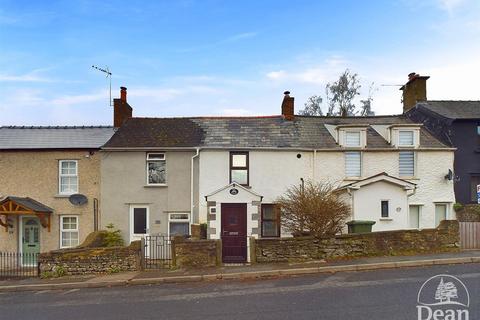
<point>182,58</point>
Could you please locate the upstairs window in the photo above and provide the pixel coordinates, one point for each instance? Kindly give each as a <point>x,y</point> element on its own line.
<point>353,164</point>
<point>352,138</point>
<point>68,177</point>
<point>406,164</point>
<point>156,169</point>
<point>239,168</point>
<point>478,134</point>
<point>406,138</point>
<point>474,182</point>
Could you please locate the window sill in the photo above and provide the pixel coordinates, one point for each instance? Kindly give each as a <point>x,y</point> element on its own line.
<point>386,219</point>
<point>155,186</point>
<point>62,195</point>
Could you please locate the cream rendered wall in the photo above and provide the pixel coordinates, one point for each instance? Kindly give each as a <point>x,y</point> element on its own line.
<point>34,174</point>
<point>124,183</point>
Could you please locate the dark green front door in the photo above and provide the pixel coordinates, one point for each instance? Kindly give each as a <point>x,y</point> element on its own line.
<point>30,240</point>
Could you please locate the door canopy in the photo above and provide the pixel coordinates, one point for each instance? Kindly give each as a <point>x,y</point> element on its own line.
<point>16,206</point>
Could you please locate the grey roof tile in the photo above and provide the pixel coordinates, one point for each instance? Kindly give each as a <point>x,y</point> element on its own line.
<point>453,109</point>
<point>54,137</point>
<point>250,132</point>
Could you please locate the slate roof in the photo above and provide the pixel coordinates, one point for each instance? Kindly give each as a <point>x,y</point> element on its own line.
<point>29,203</point>
<point>14,137</point>
<point>453,109</point>
<point>250,132</point>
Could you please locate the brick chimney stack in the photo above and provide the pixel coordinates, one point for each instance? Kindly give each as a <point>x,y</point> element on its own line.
<point>288,106</point>
<point>121,109</point>
<point>414,90</point>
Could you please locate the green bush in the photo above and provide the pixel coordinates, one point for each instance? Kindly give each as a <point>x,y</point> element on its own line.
<point>457,207</point>
<point>113,238</point>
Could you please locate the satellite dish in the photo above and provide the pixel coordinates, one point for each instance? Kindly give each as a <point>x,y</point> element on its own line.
<point>449,175</point>
<point>78,199</point>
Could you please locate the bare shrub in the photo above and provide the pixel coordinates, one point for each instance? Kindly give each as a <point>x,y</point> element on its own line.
<point>314,208</point>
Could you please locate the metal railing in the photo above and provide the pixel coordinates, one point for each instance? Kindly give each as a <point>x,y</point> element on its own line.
<point>16,265</point>
<point>157,251</point>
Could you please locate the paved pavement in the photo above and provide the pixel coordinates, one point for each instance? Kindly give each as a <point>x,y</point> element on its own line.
<point>382,294</point>
<point>240,272</point>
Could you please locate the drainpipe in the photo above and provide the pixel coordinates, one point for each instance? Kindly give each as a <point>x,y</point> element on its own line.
<point>191,187</point>
<point>314,163</point>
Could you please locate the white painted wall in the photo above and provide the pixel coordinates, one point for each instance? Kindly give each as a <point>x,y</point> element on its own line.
<point>272,172</point>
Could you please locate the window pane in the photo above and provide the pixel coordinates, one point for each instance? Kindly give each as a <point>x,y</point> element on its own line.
<point>384,209</point>
<point>405,138</point>
<point>474,181</point>
<point>268,212</point>
<point>156,172</point>
<point>140,220</point>
<point>414,212</point>
<point>440,213</point>
<point>270,229</point>
<point>68,167</point>
<point>406,164</point>
<point>353,164</point>
<point>68,184</point>
<point>240,176</point>
<point>179,228</point>
<point>352,139</point>
<point>239,160</point>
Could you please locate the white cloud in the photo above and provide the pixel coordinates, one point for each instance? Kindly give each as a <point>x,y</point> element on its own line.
<point>235,112</point>
<point>241,36</point>
<point>450,5</point>
<point>32,76</point>
<point>276,75</point>
<point>68,100</point>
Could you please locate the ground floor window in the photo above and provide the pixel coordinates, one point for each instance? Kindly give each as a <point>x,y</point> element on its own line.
<point>179,224</point>
<point>270,220</point>
<point>68,231</point>
<point>440,213</point>
<point>384,208</point>
<point>414,216</point>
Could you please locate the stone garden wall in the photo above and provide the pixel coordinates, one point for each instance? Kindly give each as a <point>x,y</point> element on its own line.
<point>88,260</point>
<point>192,253</point>
<point>403,242</point>
<point>469,213</point>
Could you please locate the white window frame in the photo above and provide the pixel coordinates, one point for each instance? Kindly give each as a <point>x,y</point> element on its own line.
<point>147,223</point>
<point>388,217</point>
<point>60,175</point>
<point>345,164</point>
<point>347,132</point>
<point>447,211</point>
<point>413,138</point>
<point>183,220</point>
<point>149,159</point>
<point>414,164</point>
<point>77,230</point>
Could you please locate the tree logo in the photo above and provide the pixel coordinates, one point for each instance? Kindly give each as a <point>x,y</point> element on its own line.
<point>443,297</point>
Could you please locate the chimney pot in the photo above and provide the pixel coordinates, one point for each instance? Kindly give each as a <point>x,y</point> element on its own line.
<point>288,106</point>
<point>121,109</point>
<point>123,94</point>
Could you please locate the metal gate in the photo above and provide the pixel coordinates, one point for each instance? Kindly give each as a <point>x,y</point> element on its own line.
<point>157,252</point>
<point>16,265</point>
<point>470,235</point>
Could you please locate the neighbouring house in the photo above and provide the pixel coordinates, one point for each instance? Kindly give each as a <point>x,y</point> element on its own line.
<point>455,123</point>
<point>160,175</point>
<point>49,186</point>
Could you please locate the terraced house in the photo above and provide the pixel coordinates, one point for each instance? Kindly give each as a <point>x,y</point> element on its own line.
<point>40,169</point>
<point>161,175</point>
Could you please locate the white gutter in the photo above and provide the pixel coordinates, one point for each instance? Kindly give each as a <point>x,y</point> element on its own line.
<point>191,186</point>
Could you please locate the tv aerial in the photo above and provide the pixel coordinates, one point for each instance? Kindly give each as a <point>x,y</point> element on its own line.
<point>106,70</point>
